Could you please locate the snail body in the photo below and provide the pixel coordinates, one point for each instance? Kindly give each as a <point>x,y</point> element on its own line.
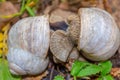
<point>28,44</point>
<point>99,36</point>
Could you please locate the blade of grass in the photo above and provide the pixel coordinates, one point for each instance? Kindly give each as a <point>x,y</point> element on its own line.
<point>10,16</point>
<point>30,11</point>
<point>22,7</point>
<point>2,0</point>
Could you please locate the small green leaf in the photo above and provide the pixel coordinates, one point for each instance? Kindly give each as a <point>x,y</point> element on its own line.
<point>106,67</point>
<point>77,66</point>
<point>106,77</point>
<point>58,77</point>
<point>89,70</point>
<point>5,73</point>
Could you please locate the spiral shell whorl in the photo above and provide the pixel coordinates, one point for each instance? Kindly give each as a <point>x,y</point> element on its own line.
<point>28,45</point>
<point>29,63</point>
<point>99,36</point>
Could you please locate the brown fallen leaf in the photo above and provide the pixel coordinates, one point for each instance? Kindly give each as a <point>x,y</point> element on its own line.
<point>39,77</point>
<point>115,10</point>
<point>69,64</point>
<point>115,72</point>
<point>64,6</point>
<point>6,9</point>
<point>59,15</point>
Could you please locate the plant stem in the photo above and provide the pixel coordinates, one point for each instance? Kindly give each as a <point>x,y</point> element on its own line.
<point>74,77</point>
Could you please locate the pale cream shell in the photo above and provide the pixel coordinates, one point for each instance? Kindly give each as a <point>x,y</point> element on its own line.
<point>28,45</point>
<point>99,36</point>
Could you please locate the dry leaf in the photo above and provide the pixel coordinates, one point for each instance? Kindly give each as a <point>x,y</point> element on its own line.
<point>60,15</point>
<point>64,5</point>
<point>39,77</point>
<point>6,8</point>
<point>69,64</point>
<point>115,72</point>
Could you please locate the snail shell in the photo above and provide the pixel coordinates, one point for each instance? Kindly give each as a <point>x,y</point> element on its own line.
<point>119,50</point>
<point>99,36</point>
<point>28,46</point>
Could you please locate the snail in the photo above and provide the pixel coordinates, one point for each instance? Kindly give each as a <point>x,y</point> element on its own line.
<point>93,31</point>
<point>28,43</point>
<point>62,48</point>
<point>60,45</point>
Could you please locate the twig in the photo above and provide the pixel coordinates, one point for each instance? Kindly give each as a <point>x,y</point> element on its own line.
<point>51,73</point>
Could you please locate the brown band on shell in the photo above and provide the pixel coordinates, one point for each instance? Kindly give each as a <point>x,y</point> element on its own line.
<point>60,45</point>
